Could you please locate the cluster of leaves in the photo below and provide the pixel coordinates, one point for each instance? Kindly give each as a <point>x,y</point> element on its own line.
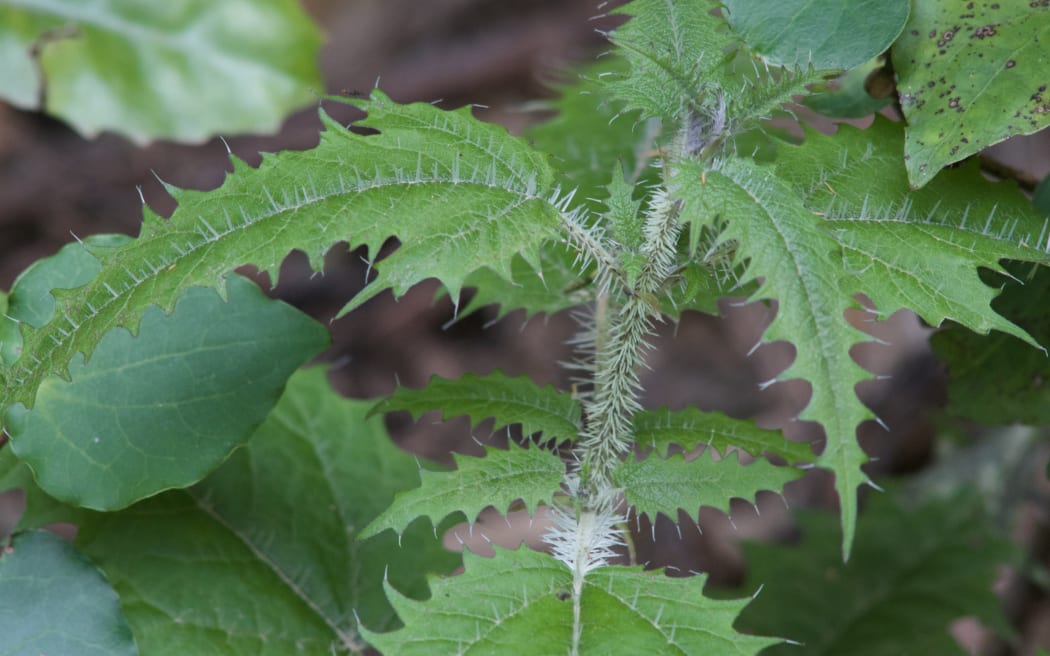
<point>234,503</point>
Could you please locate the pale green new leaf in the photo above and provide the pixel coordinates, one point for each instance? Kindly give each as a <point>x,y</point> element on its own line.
<point>162,409</point>
<point>53,600</point>
<point>676,51</point>
<point>690,427</point>
<point>520,600</point>
<point>785,244</point>
<point>970,76</point>
<point>507,400</point>
<point>459,194</point>
<point>242,565</point>
<point>824,34</point>
<point>181,69</point>
<point>661,486</point>
<point>913,572</point>
<point>591,135</point>
<point>532,475</point>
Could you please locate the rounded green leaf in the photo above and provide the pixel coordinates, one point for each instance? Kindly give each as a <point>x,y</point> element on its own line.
<point>182,69</point>
<point>161,409</point>
<point>827,34</point>
<point>53,600</point>
<point>263,557</point>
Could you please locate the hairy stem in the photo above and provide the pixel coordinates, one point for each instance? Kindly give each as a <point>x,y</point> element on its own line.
<point>620,337</point>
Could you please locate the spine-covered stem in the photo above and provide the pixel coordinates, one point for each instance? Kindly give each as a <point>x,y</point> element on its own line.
<point>607,435</point>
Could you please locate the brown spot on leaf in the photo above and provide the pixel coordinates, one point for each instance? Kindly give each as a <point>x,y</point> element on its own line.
<point>1010,63</point>
<point>984,31</point>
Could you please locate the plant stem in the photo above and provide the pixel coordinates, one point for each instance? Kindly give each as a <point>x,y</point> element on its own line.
<point>620,334</point>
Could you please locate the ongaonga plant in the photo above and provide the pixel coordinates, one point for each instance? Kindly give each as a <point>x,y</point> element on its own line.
<point>657,190</point>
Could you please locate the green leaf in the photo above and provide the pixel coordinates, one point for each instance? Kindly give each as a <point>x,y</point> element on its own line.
<point>912,573</point>
<point>521,598</point>
<point>497,480</point>
<point>161,409</point>
<point>1041,196</point>
<point>839,215</point>
<point>459,194</point>
<point>675,50</point>
<point>970,77</point>
<point>508,400</point>
<point>691,427</point>
<point>559,287</point>
<point>824,34</point>
<point>785,245</point>
<point>661,486</point>
<point>591,134</point>
<point>848,97</point>
<point>242,565</point>
<point>996,379</point>
<point>31,300</point>
<point>185,70</point>
<point>915,249</point>
<point>53,600</point>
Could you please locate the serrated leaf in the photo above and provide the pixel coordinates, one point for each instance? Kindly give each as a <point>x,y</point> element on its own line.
<point>915,249</point>
<point>459,194</point>
<point>162,409</point>
<point>520,600</point>
<point>912,573</point>
<point>824,34</point>
<point>970,76</point>
<point>241,565</point>
<point>691,427</point>
<point>996,379</point>
<point>53,600</point>
<point>661,486</point>
<point>839,215</point>
<point>785,245</point>
<point>182,70</point>
<point>499,479</point>
<point>591,134</point>
<point>31,301</point>
<point>675,49</point>
<point>560,287</point>
<point>508,400</point>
